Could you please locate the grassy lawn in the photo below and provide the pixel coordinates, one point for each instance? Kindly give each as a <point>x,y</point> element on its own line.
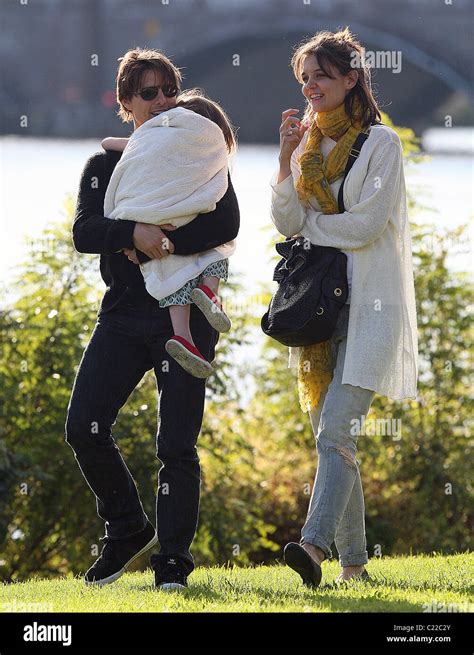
<point>400,584</point>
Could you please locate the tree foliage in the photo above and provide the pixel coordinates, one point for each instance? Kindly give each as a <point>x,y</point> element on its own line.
<point>258,454</point>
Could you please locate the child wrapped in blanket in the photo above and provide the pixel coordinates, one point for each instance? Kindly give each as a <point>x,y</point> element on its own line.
<point>173,167</point>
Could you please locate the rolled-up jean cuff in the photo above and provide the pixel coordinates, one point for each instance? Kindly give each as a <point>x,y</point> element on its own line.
<point>354,560</point>
<point>128,530</point>
<point>319,544</point>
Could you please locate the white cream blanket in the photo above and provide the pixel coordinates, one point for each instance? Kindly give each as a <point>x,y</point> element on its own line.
<point>173,168</point>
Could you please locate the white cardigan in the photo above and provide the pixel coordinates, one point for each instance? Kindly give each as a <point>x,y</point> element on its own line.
<point>382,343</point>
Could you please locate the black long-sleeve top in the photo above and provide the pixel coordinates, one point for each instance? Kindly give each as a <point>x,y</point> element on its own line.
<point>94,233</point>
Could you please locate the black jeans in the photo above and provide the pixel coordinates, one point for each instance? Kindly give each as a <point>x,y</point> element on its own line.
<point>126,342</point>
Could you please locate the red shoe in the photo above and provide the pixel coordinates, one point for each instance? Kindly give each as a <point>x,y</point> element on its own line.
<point>208,303</point>
<point>188,356</point>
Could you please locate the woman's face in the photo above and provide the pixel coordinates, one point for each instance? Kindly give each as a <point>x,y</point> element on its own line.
<point>323,92</point>
<point>143,110</point>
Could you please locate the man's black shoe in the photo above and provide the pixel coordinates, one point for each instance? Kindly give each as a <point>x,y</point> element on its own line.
<point>117,554</point>
<point>169,575</point>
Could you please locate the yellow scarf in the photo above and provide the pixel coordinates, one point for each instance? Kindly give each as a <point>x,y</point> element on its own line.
<point>315,368</point>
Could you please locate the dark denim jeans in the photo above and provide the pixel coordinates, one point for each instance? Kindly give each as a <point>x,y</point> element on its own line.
<point>126,342</point>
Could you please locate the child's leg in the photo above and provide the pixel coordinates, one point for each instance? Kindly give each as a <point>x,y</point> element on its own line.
<point>212,282</point>
<point>179,315</point>
<point>181,345</point>
<point>206,298</point>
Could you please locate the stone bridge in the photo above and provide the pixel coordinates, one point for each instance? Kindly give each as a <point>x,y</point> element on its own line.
<point>237,50</point>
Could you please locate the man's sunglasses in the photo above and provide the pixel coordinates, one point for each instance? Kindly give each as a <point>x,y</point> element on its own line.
<point>150,92</point>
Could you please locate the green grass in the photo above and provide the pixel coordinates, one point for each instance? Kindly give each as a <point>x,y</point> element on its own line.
<point>400,584</point>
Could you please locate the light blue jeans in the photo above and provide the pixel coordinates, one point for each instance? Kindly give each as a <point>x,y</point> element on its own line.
<point>336,510</point>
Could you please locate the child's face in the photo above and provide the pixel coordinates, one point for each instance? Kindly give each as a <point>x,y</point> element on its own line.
<point>143,110</point>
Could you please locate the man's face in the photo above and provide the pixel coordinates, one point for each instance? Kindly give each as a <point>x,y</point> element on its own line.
<point>143,110</point>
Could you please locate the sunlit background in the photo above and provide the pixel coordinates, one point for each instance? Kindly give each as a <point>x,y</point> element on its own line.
<point>58,61</point>
<point>239,52</point>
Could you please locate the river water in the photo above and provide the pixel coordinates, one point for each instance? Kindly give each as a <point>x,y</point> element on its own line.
<point>37,173</point>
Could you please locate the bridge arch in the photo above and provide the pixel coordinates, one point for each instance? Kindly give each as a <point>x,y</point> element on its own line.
<point>425,84</point>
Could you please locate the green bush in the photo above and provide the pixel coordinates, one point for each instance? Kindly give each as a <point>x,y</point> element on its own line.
<point>258,457</point>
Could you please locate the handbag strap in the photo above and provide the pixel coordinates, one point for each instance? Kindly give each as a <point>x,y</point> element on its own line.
<point>353,154</point>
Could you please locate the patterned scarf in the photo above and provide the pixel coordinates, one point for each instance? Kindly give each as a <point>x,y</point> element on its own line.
<point>315,368</point>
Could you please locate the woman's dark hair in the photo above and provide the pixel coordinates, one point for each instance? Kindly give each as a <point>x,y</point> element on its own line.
<point>340,50</point>
<point>195,100</point>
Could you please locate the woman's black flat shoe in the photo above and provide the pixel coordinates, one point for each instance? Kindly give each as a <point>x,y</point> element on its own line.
<point>300,561</point>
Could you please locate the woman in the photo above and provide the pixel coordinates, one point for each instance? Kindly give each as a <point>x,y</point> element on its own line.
<point>374,347</point>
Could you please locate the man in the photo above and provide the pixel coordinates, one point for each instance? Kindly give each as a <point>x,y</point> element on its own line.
<point>128,340</point>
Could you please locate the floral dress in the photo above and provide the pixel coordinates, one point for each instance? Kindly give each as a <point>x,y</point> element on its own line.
<point>218,269</point>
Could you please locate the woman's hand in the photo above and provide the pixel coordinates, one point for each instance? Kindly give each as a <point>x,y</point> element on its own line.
<point>291,133</point>
<point>152,241</point>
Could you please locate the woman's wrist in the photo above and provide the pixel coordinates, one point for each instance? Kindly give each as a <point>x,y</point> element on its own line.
<point>284,171</point>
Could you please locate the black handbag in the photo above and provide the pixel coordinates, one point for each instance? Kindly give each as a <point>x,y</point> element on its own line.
<point>312,284</point>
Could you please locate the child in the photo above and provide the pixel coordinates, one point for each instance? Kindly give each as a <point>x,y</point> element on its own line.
<point>168,176</point>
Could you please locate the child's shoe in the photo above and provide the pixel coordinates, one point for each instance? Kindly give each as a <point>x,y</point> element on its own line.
<point>208,303</point>
<point>189,357</point>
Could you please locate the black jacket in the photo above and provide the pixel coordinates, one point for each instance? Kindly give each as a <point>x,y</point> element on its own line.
<point>93,233</point>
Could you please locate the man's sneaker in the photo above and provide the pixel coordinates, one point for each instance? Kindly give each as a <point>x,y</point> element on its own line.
<point>170,575</point>
<point>211,307</point>
<point>117,554</point>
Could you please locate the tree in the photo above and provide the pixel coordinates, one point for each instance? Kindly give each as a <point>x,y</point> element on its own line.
<point>258,453</point>
<point>50,310</point>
